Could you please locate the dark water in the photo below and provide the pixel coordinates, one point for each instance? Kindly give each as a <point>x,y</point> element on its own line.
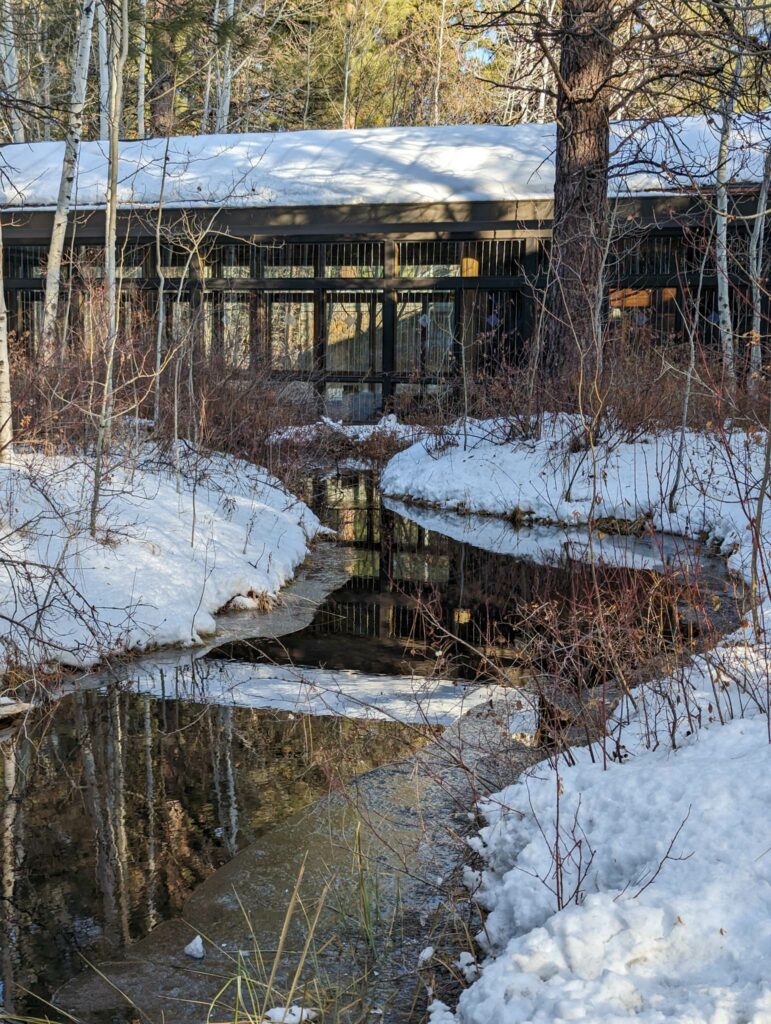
<point>119,804</point>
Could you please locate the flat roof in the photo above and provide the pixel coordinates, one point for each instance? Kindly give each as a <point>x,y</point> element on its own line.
<point>398,166</point>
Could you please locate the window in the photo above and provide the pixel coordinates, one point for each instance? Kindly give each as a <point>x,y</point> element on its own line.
<point>178,261</point>
<point>290,330</point>
<point>428,259</point>
<point>490,322</point>
<point>645,253</point>
<point>235,329</point>
<point>353,401</point>
<point>493,257</point>
<point>288,259</point>
<point>353,259</point>
<point>644,315</point>
<point>353,332</point>
<point>25,310</point>
<point>22,262</point>
<point>425,326</point>
<point>233,260</point>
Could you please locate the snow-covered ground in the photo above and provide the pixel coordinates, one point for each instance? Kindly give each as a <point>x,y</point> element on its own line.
<point>666,878</point>
<point>387,427</point>
<point>318,691</point>
<point>472,468</point>
<point>635,888</point>
<point>177,540</point>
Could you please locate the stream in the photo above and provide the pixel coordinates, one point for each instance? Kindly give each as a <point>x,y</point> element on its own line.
<point>184,792</point>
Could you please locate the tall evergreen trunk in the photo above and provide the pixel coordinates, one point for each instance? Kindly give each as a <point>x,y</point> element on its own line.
<point>580,227</point>
<point>66,182</point>
<point>6,409</point>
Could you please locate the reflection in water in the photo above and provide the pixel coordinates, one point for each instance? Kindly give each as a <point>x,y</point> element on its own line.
<point>118,805</point>
<point>420,601</point>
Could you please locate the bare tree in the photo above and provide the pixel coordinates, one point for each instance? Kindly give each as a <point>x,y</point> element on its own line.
<point>226,76</point>
<point>81,60</point>
<point>6,407</point>
<point>118,52</point>
<point>756,260</point>
<point>141,67</point>
<point>10,63</point>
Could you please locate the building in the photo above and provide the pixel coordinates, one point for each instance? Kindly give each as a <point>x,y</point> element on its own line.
<point>368,264</point>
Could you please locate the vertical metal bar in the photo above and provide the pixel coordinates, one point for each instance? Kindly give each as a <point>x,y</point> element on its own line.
<point>390,300</point>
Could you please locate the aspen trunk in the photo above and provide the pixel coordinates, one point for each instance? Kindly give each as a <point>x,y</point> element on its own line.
<point>226,82</point>
<point>104,68</point>
<point>440,54</point>
<point>66,183</point>
<point>119,37</point>
<point>723,174</point>
<point>6,408</point>
<point>757,245</point>
<point>141,68</point>
<point>10,68</point>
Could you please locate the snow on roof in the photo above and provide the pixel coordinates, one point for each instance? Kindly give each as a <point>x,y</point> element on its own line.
<point>405,166</point>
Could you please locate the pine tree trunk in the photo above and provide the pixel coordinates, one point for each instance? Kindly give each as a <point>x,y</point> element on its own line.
<point>66,183</point>
<point>580,227</point>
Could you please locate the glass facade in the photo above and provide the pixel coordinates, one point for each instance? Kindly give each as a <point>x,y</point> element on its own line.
<point>363,321</point>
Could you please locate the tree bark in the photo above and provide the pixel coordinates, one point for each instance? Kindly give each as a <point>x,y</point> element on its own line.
<point>119,38</point>
<point>6,408</point>
<point>104,68</point>
<point>66,182</point>
<point>141,68</point>
<point>10,69</point>
<point>723,174</point>
<point>226,81</point>
<point>757,249</point>
<point>580,227</point>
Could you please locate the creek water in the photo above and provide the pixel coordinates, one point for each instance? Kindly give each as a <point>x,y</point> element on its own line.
<point>150,796</point>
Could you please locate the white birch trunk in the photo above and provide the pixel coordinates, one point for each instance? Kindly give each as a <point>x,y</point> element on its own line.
<point>141,69</point>
<point>67,181</point>
<point>10,68</point>
<point>440,54</point>
<point>6,409</point>
<point>721,233</point>
<point>757,240</point>
<point>226,81</point>
<point>119,38</point>
<point>104,68</point>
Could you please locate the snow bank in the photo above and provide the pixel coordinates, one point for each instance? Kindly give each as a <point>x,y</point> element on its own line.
<point>401,166</point>
<point>665,882</point>
<point>318,691</point>
<point>354,433</point>
<point>546,545</point>
<point>475,469</point>
<point>666,876</point>
<point>163,562</point>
